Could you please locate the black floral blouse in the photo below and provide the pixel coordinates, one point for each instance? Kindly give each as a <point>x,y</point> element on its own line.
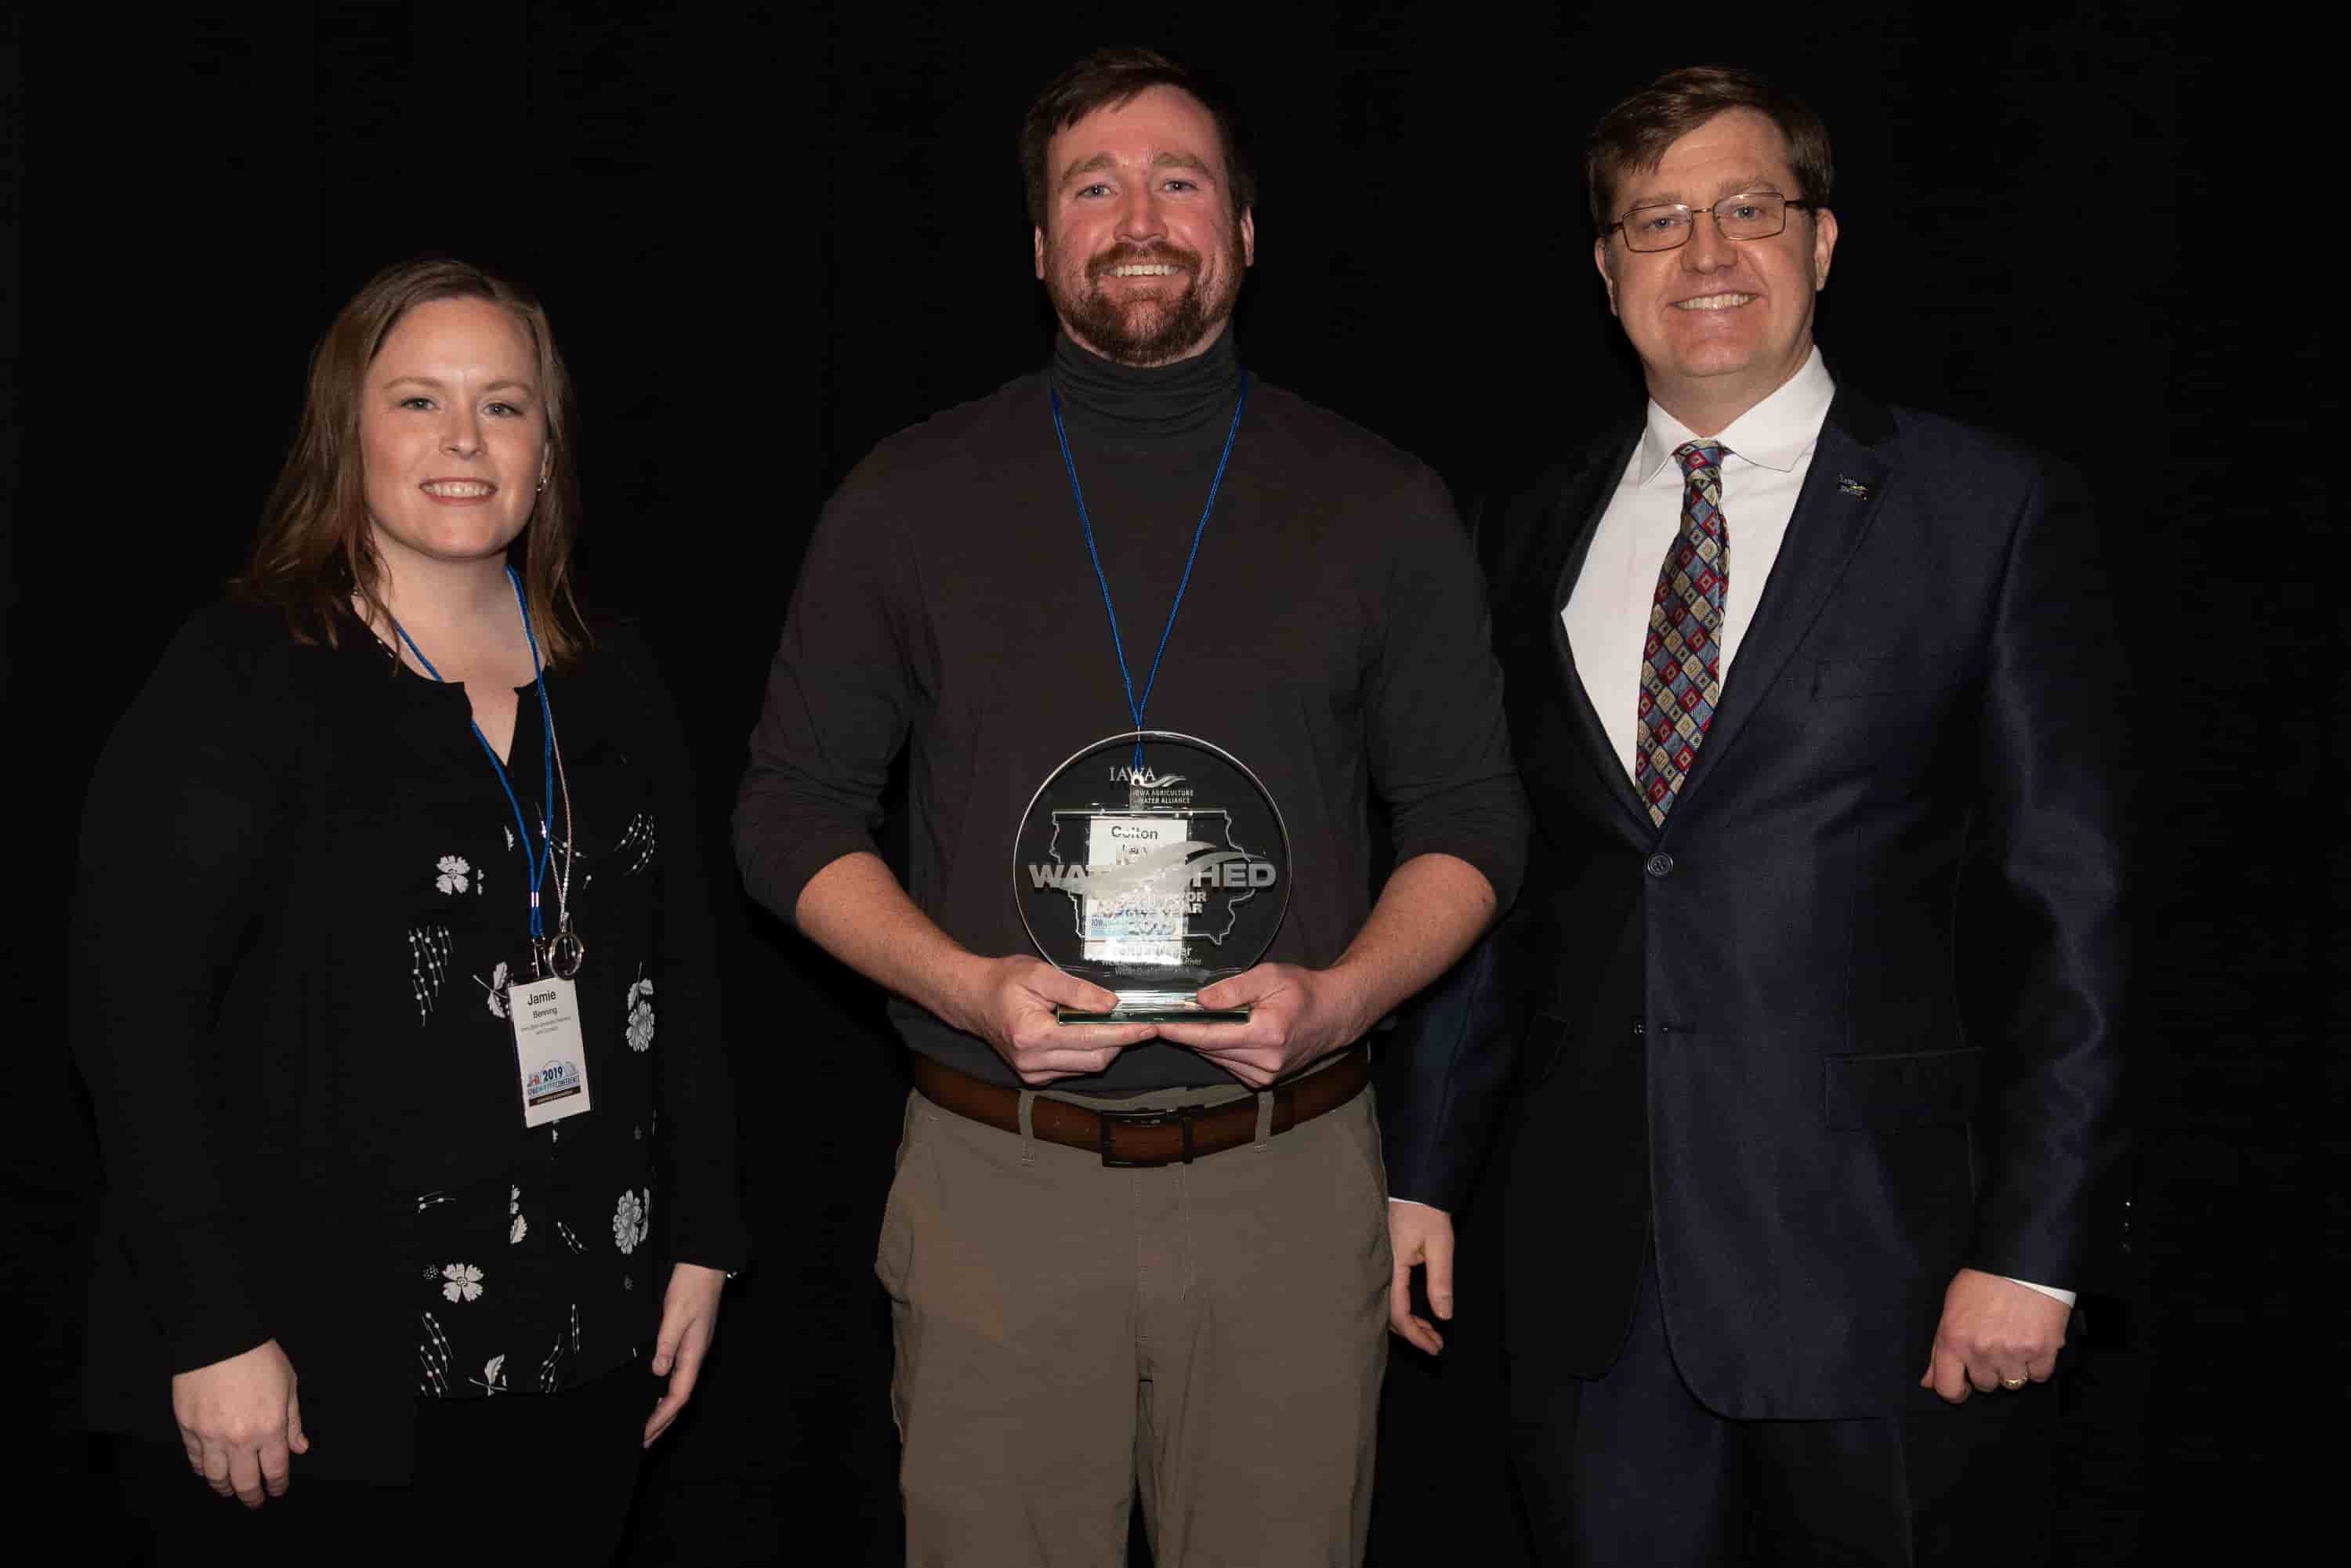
<point>528,1276</point>
<point>307,1097</point>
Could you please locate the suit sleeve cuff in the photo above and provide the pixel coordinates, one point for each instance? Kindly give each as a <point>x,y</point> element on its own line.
<point>2051,1291</point>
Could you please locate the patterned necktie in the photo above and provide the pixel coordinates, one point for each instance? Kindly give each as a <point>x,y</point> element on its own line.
<point>1681,662</point>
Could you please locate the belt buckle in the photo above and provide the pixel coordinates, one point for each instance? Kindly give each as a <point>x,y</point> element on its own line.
<point>1181,1116</point>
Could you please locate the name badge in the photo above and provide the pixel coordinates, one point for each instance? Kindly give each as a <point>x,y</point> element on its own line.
<point>550,1060</point>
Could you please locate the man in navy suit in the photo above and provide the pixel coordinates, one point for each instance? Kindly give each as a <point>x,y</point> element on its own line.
<point>1797,1144</point>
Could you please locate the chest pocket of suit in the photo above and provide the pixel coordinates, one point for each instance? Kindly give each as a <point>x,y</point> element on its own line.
<point>1835,678</point>
<point>1914,1089</point>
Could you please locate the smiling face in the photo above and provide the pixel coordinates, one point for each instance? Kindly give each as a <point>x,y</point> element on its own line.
<point>453,433</point>
<point>1141,250</point>
<point>1718,324</point>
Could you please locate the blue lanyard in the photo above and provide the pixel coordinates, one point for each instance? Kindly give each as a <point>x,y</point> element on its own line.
<point>535,864</point>
<point>1117,645</point>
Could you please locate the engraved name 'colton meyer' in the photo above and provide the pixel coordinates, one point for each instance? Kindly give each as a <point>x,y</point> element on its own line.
<point>1159,870</point>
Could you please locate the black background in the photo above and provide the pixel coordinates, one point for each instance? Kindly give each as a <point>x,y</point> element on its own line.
<point>769,240</point>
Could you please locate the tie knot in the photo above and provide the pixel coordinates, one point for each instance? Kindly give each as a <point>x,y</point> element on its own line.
<point>1698,455</point>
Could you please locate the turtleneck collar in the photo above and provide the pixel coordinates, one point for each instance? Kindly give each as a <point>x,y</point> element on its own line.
<point>1120,400</point>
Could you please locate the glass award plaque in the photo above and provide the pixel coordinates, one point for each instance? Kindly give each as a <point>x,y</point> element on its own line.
<point>1151,864</point>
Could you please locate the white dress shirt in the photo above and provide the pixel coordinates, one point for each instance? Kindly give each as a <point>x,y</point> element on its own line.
<point>1766,453</point>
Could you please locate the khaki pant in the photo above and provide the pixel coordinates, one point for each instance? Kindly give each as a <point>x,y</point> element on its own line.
<point>1210,1337</point>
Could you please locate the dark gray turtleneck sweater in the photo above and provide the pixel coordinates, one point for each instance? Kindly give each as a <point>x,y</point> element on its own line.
<point>1333,637</point>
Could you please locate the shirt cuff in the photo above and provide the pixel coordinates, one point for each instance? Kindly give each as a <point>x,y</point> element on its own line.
<point>2051,1291</point>
<point>1416,1203</point>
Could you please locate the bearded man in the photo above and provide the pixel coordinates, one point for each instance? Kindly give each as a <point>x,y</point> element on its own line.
<point>1135,1258</point>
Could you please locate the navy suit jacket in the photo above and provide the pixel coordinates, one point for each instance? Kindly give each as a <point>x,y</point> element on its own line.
<point>1763,1040</point>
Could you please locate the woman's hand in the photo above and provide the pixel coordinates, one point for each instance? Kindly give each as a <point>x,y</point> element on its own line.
<point>239,1421</point>
<point>689,1318</point>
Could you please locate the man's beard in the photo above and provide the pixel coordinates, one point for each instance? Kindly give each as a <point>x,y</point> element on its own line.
<point>1147,333</point>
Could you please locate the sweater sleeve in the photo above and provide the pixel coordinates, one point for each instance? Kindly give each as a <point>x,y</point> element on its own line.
<point>839,693</point>
<point>1440,747</point>
<point>695,1087</point>
<point>183,811</point>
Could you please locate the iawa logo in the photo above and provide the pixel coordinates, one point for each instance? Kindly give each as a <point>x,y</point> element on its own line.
<point>1144,779</point>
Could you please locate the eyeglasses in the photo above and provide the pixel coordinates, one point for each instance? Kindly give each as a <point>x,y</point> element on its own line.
<point>1755,215</point>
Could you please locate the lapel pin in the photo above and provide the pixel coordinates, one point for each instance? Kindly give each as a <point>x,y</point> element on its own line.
<point>1854,487</point>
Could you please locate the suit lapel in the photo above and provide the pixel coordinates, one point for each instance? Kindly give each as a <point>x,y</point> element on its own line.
<point>1843,489</point>
<point>1575,521</point>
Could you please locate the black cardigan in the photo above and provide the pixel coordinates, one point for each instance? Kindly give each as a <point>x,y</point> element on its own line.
<point>289,1046</point>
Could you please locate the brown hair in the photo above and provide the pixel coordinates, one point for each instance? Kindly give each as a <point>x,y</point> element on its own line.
<point>1111,79</point>
<point>316,549</point>
<point>1636,133</point>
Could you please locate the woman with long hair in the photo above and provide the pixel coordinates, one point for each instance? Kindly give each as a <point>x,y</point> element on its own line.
<point>397,1003</point>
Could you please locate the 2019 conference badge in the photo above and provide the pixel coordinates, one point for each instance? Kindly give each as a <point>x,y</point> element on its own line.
<point>550,1059</point>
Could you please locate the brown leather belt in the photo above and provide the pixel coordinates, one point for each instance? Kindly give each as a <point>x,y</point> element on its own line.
<point>1125,1138</point>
